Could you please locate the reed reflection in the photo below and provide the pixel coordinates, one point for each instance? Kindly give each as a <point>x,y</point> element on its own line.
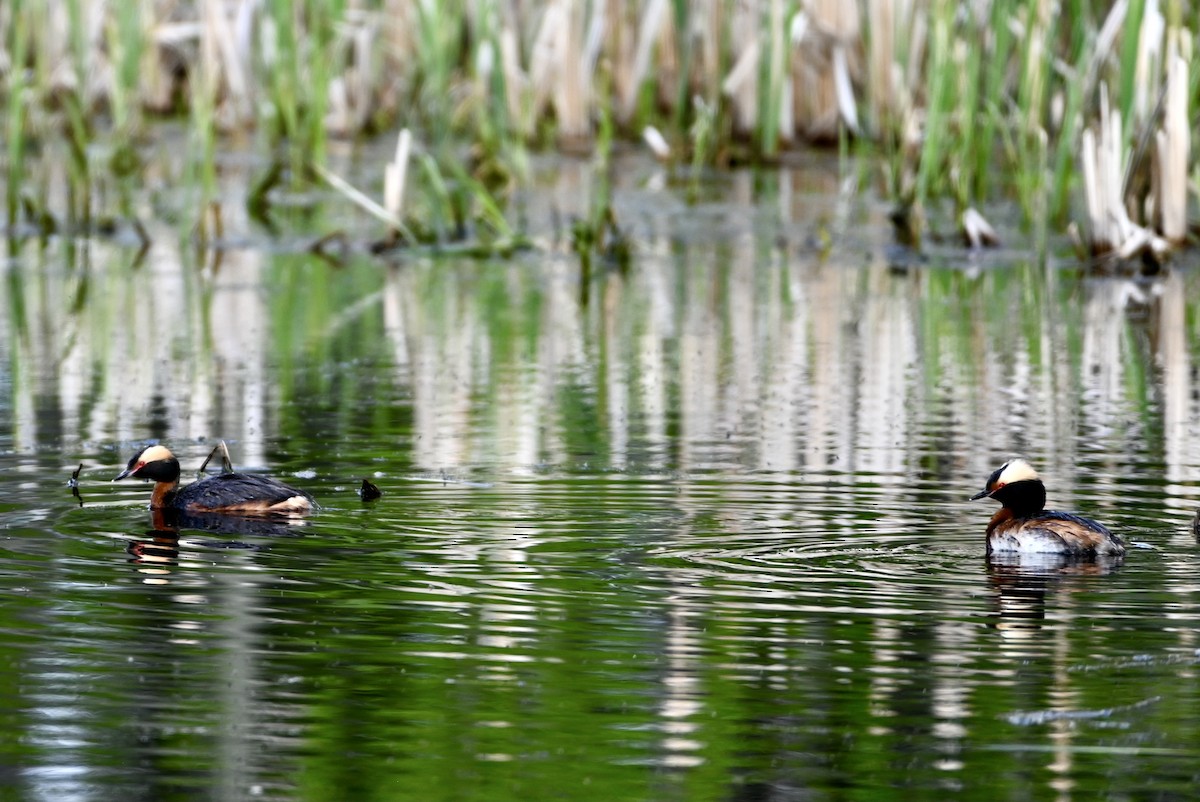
<point>705,358</point>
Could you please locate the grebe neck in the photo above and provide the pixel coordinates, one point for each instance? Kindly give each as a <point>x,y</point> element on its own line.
<point>163,491</point>
<point>1003,514</point>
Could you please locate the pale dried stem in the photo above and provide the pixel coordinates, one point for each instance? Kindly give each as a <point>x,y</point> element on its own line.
<point>825,66</point>
<point>395,175</point>
<point>572,95</point>
<point>649,30</point>
<point>1105,154</point>
<point>363,201</point>
<point>741,84</point>
<point>1173,143</point>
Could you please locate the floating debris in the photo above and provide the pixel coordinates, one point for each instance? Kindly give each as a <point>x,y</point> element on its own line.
<point>370,492</point>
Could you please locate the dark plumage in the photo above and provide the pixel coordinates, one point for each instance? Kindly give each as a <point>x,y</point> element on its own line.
<point>1022,524</point>
<point>237,493</point>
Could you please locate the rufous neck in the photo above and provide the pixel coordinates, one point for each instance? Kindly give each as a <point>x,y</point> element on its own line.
<point>162,494</point>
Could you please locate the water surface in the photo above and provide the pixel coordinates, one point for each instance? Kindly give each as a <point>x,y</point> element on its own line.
<point>694,530</point>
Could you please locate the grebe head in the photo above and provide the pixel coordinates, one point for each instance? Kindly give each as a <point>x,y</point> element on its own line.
<point>1016,485</point>
<point>152,462</point>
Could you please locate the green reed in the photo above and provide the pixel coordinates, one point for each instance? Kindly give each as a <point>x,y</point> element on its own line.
<point>930,168</point>
<point>439,29</point>
<point>683,96</point>
<point>1129,57</point>
<point>78,123</point>
<point>79,170</point>
<point>126,42</point>
<point>18,99</point>
<point>998,93</point>
<point>293,83</point>
<point>500,157</point>
<point>703,133</point>
<point>771,79</point>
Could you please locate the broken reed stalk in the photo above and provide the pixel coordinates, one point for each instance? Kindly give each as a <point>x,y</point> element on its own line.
<point>1105,155</point>
<point>363,201</point>
<point>1110,171</point>
<point>740,84</point>
<point>572,95</point>
<point>1172,147</point>
<point>394,176</point>
<point>823,43</point>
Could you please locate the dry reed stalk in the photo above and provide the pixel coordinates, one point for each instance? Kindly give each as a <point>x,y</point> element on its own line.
<point>208,77</point>
<point>706,29</point>
<point>844,87</point>
<point>1105,154</point>
<point>1105,42</point>
<point>176,45</point>
<point>1172,146</point>
<point>399,33</point>
<point>53,50</point>
<point>650,29</point>
<point>1097,181</point>
<point>572,87</point>
<point>543,57</point>
<point>894,55</point>
<point>362,200</point>
<point>667,69</point>
<point>881,51</point>
<point>1148,71</point>
<point>593,45</point>
<point>825,64</point>
<point>741,84</point>
<point>228,64</point>
<point>557,70</point>
<point>394,176</point>
<point>351,95</point>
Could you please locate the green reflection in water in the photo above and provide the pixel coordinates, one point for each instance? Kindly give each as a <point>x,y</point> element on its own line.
<point>702,537</point>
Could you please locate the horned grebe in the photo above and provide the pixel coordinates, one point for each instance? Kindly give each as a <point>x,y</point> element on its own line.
<point>233,493</point>
<point>1022,525</point>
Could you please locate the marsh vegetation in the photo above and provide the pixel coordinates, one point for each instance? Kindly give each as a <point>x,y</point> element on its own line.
<point>1078,112</point>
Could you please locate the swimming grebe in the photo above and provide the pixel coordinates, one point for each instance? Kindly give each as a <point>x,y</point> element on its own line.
<point>236,493</point>
<point>1023,525</point>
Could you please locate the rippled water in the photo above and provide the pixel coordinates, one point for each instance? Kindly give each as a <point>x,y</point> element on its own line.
<point>699,533</point>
